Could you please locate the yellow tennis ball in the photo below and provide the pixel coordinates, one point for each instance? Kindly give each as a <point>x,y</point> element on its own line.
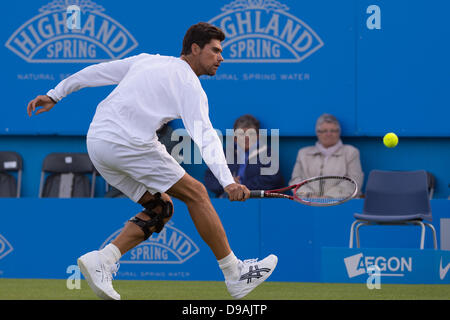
<point>390,140</point>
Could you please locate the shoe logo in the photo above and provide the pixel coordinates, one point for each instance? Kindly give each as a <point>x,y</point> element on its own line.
<point>443,271</point>
<point>253,273</point>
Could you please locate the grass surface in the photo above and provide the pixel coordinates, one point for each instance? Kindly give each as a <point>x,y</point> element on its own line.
<point>44,289</point>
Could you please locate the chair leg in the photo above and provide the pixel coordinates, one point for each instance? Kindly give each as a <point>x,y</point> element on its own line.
<point>352,233</point>
<point>41,184</point>
<point>357,232</point>
<point>94,176</point>
<point>422,234</point>
<point>434,234</point>
<point>19,183</point>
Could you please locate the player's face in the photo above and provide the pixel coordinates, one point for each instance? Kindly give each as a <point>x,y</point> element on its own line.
<point>210,57</point>
<point>328,134</point>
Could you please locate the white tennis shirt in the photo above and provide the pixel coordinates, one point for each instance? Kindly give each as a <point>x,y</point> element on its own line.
<point>151,90</point>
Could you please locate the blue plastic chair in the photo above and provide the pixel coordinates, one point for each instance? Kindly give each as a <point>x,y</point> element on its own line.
<point>395,198</point>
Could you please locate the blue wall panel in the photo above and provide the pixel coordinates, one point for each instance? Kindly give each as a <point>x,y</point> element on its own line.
<point>57,231</point>
<point>289,95</point>
<point>286,63</point>
<point>411,154</point>
<point>402,69</point>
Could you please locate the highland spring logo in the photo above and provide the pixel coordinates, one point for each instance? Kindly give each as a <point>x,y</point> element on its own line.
<point>49,37</point>
<point>264,31</point>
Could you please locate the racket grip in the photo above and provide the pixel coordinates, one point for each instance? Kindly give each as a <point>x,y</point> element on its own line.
<point>257,194</point>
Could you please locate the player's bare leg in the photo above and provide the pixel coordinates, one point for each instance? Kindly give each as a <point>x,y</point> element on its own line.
<point>202,212</point>
<point>98,267</point>
<point>205,218</point>
<point>241,277</point>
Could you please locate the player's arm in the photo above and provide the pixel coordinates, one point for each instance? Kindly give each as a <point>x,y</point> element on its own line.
<point>194,114</point>
<point>44,102</point>
<point>101,74</point>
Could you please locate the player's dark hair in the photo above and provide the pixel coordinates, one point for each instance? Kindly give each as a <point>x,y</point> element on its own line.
<point>246,121</point>
<point>201,33</point>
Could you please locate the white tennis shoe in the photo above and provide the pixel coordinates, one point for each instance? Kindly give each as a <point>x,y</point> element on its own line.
<point>99,274</point>
<point>252,274</point>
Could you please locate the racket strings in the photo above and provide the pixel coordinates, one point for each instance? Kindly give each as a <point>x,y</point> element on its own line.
<point>326,190</point>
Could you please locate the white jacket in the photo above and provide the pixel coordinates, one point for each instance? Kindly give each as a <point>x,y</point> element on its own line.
<point>344,161</point>
<point>151,90</point>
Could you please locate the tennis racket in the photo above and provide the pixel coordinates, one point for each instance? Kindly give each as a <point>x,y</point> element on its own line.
<point>320,191</point>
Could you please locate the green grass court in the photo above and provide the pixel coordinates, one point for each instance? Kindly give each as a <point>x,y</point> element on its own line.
<point>43,289</point>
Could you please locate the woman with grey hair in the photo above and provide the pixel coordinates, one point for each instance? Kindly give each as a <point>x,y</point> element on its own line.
<point>329,156</point>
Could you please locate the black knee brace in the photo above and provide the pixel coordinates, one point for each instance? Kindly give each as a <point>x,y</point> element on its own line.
<point>156,219</point>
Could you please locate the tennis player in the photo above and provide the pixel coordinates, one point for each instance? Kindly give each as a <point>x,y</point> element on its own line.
<point>123,146</point>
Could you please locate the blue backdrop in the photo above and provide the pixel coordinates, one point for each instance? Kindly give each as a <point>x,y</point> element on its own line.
<point>58,231</point>
<point>286,61</point>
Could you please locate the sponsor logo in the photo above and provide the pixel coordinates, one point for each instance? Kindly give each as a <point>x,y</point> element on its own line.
<point>443,271</point>
<point>264,31</point>
<point>53,36</point>
<point>5,247</point>
<point>358,264</point>
<point>170,246</point>
<point>254,272</point>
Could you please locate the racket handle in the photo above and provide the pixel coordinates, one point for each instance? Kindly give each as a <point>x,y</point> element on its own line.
<point>257,194</point>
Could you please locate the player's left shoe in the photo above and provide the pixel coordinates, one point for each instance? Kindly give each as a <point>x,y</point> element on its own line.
<point>252,274</point>
<point>99,274</point>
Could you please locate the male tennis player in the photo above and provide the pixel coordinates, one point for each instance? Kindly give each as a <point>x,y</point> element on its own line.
<point>123,146</point>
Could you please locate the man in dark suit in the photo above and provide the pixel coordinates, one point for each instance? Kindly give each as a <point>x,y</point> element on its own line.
<point>246,166</point>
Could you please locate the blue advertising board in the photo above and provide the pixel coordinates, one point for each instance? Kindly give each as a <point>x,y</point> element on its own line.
<point>57,233</point>
<point>42,238</point>
<point>402,68</point>
<point>286,61</point>
<point>278,56</point>
<point>344,265</point>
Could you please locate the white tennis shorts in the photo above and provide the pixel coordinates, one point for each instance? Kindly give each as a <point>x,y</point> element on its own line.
<point>134,170</point>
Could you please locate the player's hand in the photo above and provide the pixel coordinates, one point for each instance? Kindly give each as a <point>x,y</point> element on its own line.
<point>237,192</point>
<point>44,103</point>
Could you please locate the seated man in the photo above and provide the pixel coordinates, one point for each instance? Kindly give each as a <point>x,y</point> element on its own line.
<point>329,156</point>
<point>246,165</point>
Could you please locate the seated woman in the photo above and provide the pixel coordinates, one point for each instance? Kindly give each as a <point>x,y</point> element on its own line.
<point>329,156</point>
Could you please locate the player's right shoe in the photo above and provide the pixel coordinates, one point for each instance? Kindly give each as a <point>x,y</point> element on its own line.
<point>252,274</point>
<point>99,274</point>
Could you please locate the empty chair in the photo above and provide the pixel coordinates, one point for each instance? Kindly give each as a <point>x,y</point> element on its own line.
<point>431,184</point>
<point>10,185</point>
<point>395,198</point>
<point>68,176</point>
